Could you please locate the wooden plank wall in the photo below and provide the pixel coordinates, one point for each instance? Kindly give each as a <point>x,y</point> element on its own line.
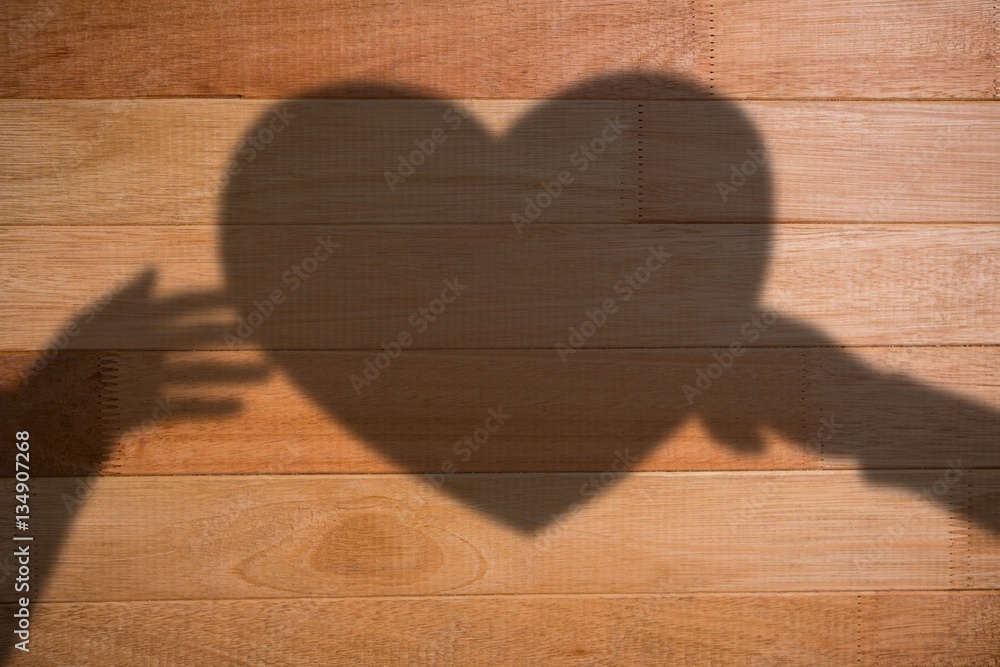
<point>825,492</point>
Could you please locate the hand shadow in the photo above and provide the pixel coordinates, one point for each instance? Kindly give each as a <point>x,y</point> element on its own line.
<point>522,226</point>
<point>59,398</point>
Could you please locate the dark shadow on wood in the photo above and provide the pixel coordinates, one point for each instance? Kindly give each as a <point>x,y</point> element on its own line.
<point>318,187</point>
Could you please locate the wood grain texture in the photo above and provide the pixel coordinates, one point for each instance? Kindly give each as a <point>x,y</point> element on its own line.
<point>159,162</point>
<point>842,162</point>
<point>136,413</point>
<point>717,629</point>
<point>479,49</point>
<point>317,536</point>
<point>942,49</point>
<point>558,413</point>
<point>820,629</point>
<point>931,628</point>
<point>830,285</point>
<point>163,161</point>
<point>982,490</point>
<point>898,407</point>
<point>830,497</point>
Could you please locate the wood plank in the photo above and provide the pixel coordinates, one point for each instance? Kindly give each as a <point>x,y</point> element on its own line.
<point>829,162</point>
<point>905,285</point>
<point>725,629</point>
<point>933,49</point>
<point>342,535</point>
<point>931,628</point>
<point>478,49</point>
<point>163,161</point>
<point>158,162</point>
<point>982,490</point>
<point>936,49</point>
<point>243,412</point>
<point>64,408</point>
<point>888,408</point>
<point>403,631</point>
<point>218,413</point>
<point>162,548</point>
<point>902,407</point>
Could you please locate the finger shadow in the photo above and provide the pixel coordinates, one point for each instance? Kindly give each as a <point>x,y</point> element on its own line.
<point>63,398</point>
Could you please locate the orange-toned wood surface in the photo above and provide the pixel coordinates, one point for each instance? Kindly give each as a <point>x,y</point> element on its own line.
<point>831,495</point>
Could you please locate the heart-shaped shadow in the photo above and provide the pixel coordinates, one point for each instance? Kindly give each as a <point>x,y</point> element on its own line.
<point>469,263</point>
